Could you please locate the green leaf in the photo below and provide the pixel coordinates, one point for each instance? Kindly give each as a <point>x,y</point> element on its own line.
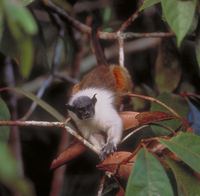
<point>178,104</point>
<point>1,24</point>
<point>186,147</point>
<point>197,43</point>
<point>25,47</point>
<point>179,15</point>
<point>40,45</point>
<point>107,14</point>
<point>109,30</point>
<point>41,103</point>
<point>4,115</point>
<point>8,45</point>
<point>167,64</point>
<point>149,3</point>
<point>16,42</point>
<point>22,3</point>
<point>19,49</point>
<point>148,177</point>
<point>187,182</point>
<point>9,174</point>
<point>20,17</point>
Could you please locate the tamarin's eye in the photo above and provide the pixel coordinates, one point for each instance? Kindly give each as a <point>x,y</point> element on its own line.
<point>81,111</point>
<point>90,107</point>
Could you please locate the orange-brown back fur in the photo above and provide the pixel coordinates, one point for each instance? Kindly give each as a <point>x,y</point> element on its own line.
<point>113,78</point>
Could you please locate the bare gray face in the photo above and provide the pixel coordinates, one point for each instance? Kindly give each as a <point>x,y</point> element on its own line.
<point>85,112</point>
<point>83,107</point>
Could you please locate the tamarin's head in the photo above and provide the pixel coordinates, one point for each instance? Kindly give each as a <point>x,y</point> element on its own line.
<point>83,106</point>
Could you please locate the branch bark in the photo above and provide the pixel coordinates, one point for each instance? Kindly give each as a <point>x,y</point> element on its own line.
<point>104,35</point>
<point>50,124</point>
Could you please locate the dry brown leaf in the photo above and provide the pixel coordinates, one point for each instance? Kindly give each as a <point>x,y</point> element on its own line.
<point>134,119</point>
<point>150,117</point>
<point>74,149</point>
<point>121,192</point>
<point>112,162</point>
<point>129,119</point>
<point>197,175</point>
<point>190,130</point>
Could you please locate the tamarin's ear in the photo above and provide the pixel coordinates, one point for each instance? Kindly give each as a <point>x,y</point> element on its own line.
<point>70,107</point>
<point>94,99</point>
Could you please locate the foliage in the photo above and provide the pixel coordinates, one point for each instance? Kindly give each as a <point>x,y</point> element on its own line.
<point>9,174</point>
<point>16,35</point>
<point>178,14</point>
<point>160,154</point>
<point>148,176</point>
<point>4,115</point>
<point>175,102</point>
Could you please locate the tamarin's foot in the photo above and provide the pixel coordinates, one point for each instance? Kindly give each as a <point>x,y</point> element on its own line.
<point>107,149</point>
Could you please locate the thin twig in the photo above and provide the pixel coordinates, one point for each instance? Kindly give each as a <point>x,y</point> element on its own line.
<point>103,35</point>
<point>132,18</point>
<point>65,77</point>
<point>192,94</point>
<point>66,16</point>
<point>121,49</point>
<point>139,128</point>
<point>129,35</point>
<point>130,134</point>
<point>168,128</point>
<point>59,44</point>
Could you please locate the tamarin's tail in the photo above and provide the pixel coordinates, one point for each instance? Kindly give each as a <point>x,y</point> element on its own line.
<point>100,58</point>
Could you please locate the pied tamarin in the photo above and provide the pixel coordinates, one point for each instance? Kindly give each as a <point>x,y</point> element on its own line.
<point>96,100</point>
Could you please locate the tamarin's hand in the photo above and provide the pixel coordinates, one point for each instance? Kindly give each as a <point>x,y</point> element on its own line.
<point>107,149</point>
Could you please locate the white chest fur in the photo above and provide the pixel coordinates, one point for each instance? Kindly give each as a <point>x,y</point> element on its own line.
<point>105,119</point>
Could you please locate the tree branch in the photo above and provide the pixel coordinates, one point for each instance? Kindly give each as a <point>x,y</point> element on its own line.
<point>103,35</point>
<point>50,124</point>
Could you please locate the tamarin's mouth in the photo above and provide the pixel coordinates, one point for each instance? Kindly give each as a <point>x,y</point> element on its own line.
<point>87,116</point>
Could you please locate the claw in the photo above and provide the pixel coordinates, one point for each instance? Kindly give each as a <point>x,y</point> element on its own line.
<point>107,149</point>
